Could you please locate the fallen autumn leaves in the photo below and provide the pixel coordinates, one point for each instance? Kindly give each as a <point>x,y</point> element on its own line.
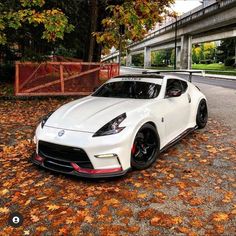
<point>190,190</point>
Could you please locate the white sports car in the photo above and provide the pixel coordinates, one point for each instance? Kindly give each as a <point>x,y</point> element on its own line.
<point>124,124</point>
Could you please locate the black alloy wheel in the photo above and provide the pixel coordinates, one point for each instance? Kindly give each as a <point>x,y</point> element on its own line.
<point>202,114</point>
<point>145,148</point>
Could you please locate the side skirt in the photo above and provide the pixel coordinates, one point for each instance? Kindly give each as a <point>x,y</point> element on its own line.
<point>178,138</point>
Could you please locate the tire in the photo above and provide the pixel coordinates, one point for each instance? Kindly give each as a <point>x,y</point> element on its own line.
<point>146,147</point>
<point>202,114</point>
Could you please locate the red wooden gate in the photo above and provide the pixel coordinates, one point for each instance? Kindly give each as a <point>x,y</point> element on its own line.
<point>61,78</point>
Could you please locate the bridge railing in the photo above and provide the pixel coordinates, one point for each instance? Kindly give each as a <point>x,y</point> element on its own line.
<point>187,17</point>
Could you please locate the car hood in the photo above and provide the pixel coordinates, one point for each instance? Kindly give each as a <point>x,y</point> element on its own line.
<point>91,113</point>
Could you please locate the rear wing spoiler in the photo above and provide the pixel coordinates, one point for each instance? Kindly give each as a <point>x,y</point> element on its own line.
<point>190,72</point>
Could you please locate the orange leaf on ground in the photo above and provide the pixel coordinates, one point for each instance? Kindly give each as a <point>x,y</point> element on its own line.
<point>112,201</point>
<point>104,210</point>
<point>142,195</point>
<point>41,228</point>
<point>196,223</point>
<point>155,221</point>
<point>220,216</point>
<point>63,231</point>
<point>52,207</point>
<point>196,201</point>
<point>228,197</point>
<point>146,214</point>
<point>219,229</point>
<point>26,232</point>
<point>4,210</point>
<point>34,218</point>
<point>133,229</point>
<point>124,212</point>
<point>4,191</point>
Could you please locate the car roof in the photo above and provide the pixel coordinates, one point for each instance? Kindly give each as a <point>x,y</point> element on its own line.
<point>148,76</point>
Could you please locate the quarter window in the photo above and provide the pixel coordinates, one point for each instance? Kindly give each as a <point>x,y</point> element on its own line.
<point>173,84</point>
<point>184,85</point>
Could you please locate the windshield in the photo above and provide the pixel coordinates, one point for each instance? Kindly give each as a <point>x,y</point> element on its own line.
<point>128,89</point>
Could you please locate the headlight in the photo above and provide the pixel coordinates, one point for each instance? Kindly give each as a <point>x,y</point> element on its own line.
<point>45,118</point>
<point>111,127</point>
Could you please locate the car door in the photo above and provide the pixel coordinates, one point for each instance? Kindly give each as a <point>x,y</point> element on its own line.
<point>177,109</point>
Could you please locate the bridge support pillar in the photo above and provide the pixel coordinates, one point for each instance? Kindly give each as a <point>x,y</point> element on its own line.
<point>186,52</point>
<point>147,57</point>
<point>128,59</point>
<point>178,53</point>
<point>235,52</point>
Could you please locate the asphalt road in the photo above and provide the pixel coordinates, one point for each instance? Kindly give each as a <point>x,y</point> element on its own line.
<point>225,83</point>
<point>221,96</point>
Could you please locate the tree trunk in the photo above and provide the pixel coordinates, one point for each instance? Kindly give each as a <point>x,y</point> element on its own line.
<point>93,28</point>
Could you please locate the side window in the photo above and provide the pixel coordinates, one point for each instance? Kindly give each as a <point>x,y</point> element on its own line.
<point>184,85</point>
<point>173,84</point>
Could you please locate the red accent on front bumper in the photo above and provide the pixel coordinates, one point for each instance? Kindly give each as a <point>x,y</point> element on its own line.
<point>93,171</point>
<point>38,158</point>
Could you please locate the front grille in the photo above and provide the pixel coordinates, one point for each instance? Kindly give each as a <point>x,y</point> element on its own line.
<point>59,156</point>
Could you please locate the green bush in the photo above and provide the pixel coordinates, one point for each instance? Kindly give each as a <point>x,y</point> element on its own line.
<point>138,60</point>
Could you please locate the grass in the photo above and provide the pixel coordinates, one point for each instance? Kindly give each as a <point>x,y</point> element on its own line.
<point>215,68</point>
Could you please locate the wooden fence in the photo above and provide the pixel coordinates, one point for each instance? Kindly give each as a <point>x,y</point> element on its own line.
<point>61,78</point>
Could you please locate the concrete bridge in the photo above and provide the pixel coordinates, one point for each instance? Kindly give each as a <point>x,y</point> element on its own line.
<point>213,20</point>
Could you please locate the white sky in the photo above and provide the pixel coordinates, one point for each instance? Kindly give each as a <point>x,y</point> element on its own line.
<point>182,6</point>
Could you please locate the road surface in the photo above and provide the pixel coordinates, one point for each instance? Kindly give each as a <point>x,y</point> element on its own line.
<point>221,96</point>
<point>225,83</point>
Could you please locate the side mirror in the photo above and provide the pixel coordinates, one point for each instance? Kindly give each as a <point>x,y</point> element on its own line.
<point>174,93</point>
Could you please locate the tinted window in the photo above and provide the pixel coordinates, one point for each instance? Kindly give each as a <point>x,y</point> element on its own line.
<point>173,84</point>
<point>129,89</point>
<point>184,85</point>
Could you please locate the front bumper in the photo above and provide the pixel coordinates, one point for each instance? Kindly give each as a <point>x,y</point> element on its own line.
<point>94,147</point>
<point>81,172</point>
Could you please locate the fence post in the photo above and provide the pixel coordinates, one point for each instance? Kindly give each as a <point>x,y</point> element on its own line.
<point>111,75</point>
<point>118,68</point>
<point>16,78</point>
<point>62,79</point>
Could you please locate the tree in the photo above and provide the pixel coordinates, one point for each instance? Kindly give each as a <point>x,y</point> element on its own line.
<point>226,51</point>
<point>40,27</point>
<point>31,28</point>
<point>138,59</point>
<point>55,23</point>
<point>209,51</point>
<point>195,58</point>
<point>198,53</point>
<point>159,58</point>
<point>138,17</point>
